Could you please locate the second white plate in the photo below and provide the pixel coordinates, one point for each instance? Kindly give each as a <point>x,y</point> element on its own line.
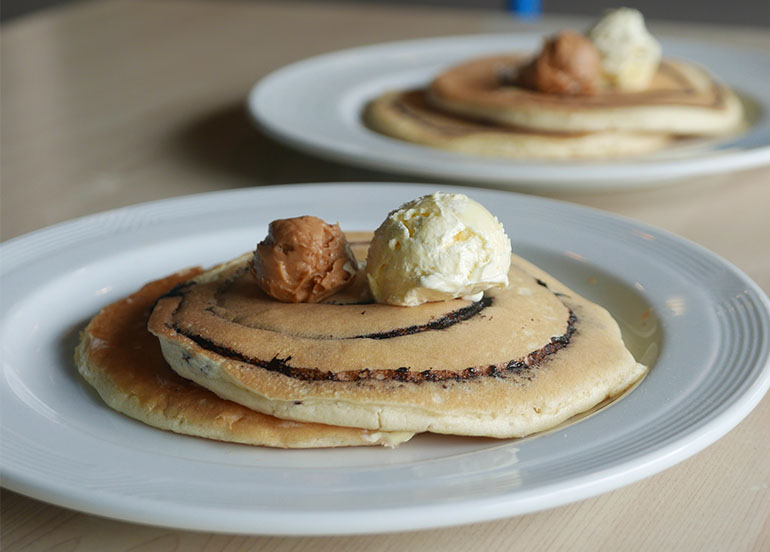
<point>315,105</point>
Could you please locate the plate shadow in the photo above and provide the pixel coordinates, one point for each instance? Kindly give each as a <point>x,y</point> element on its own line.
<point>225,141</point>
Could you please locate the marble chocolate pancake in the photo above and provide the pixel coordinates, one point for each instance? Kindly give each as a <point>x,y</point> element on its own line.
<point>406,115</point>
<point>123,361</point>
<point>682,99</point>
<point>520,360</point>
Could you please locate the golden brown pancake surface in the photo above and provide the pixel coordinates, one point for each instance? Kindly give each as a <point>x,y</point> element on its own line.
<point>123,361</point>
<point>485,80</point>
<point>682,98</point>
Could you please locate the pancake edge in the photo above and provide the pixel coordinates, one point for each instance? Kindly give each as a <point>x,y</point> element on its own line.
<point>382,115</point>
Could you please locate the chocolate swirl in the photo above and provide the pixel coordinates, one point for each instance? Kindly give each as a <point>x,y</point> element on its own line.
<point>217,308</point>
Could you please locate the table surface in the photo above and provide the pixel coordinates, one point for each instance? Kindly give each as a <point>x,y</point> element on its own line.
<point>114,103</point>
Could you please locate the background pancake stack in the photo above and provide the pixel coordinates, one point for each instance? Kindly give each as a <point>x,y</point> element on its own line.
<point>475,108</point>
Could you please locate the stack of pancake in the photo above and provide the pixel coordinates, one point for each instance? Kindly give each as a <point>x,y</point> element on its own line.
<point>123,361</point>
<point>477,108</point>
<point>223,360</point>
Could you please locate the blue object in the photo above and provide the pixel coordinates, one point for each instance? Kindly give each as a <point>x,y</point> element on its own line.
<point>525,8</point>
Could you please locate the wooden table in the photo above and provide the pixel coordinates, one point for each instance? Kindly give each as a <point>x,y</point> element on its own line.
<point>117,102</point>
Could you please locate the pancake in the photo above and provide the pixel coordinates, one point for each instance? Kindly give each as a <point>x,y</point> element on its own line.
<point>406,115</point>
<point>682,99</point>
<point>123,361</point>
<point>522,359</point>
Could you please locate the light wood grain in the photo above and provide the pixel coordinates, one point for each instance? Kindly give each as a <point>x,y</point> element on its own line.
<point>112,103</point>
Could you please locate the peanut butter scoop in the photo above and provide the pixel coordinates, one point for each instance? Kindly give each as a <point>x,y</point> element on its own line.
<point>568,64</point>
<point>303,260</point>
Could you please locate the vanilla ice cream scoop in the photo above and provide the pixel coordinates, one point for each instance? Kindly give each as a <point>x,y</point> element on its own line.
<point>438,247</point>
<point>629,53</point>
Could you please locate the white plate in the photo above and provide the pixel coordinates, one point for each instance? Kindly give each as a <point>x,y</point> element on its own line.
<point>702,324</point>
<point>315,105</point>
